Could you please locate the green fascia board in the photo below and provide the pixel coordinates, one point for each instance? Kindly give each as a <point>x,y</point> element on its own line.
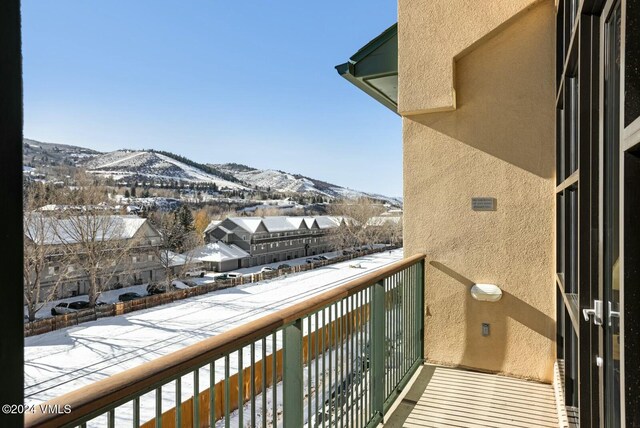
<point>385,36</point>
<point>378,58</point>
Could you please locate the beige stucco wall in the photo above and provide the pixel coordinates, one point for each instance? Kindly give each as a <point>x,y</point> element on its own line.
<point>499,142</point>
<point>432,34</point>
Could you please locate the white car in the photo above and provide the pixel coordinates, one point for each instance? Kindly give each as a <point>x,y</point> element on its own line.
<point>67,308</point>
<point>195,272</point>
<point>234,275</point>
<point>266,269</point>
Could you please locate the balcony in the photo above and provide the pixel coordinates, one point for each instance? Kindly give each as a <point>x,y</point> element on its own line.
<point>342,358</point>
<point>268,239</point>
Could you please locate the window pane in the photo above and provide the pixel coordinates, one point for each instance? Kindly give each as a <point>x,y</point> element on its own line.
<point>632,63</point>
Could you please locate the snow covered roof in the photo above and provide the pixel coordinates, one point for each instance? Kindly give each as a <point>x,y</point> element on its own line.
<point>77,208</point>
<point>284,223</point>
<point>218,252</point>
<point>212,225</point>
<point>297,221</point>
<point>47,230</point>
<point>250,224</point>
<point>327,222</point>
<point>175,259</point>
<point>224,229</point>
<point>280,223</point>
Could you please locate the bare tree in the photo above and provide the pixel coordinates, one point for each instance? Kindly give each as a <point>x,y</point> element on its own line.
<point>99,245</point>
<point>45,264</point>
<point>388,229</point>
<point>95,241</point>
<point>268,212</point>
<point>353,231</point>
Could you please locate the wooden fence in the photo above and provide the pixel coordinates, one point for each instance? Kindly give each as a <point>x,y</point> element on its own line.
<point>58,322</point>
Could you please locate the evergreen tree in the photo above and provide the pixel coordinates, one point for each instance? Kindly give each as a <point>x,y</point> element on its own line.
<point>133,191</point>
<point>185,217</point>
<point>126,193</point>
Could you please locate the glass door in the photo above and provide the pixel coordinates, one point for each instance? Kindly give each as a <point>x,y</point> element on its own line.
<point>610,237</point>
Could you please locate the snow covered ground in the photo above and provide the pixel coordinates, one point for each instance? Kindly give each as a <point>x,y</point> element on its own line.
<point>62,361</point>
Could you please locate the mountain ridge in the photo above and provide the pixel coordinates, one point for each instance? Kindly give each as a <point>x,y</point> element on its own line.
<point>158,166</point>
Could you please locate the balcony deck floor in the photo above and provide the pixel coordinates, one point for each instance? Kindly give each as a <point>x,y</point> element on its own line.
<point>447,397</point>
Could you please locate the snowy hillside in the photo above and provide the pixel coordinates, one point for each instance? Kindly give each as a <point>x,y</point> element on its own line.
<point>36,154</point>
<point>152,166</point>
<point>269,179</point>
<point>158,167</point>
<point>280,181</point>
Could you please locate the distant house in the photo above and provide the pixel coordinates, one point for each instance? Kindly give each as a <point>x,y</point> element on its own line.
<point>274,239</point>
<point>220,257</point>
<point>139,265</point>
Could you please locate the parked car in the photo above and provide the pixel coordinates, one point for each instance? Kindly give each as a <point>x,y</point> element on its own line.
<point>182,284</point>
<point>195,272</point>
<point>155,288</point>
<point>309,260</point>
<point>228,275</point>
<point>126,297</point>
<point>68,307</point>
<point>266,269</point>
<point>284,266</point>
<point>323,257</point>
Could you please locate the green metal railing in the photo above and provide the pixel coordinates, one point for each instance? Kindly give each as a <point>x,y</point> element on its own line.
<point>339,359</point>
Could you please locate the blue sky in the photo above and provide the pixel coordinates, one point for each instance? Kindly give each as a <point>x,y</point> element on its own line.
<point>217,81</point>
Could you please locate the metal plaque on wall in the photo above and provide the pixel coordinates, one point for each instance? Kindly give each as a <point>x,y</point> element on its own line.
<point>483,204</point>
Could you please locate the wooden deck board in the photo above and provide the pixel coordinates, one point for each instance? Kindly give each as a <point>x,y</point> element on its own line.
<point>458,398</point>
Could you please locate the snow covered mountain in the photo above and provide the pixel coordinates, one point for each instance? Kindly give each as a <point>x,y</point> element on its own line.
<point>56,161</point>
<point>36,154</point>
<point>281,181</point>
<point>155,167</point>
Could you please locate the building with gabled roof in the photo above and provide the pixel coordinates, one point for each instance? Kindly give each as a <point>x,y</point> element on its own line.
<point>219,257</point>
<point>140,265</point>
<point>274,238</point>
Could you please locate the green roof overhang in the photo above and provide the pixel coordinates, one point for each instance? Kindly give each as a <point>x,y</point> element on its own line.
<point>374,68</point>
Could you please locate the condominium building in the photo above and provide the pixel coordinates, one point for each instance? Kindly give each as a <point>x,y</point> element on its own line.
<point>125,249</point>
<point>275,238</point>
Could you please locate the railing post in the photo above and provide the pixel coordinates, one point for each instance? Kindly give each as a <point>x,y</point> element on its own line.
<point>378,338</point>
<point>420,302</point>
<point>292,378</point>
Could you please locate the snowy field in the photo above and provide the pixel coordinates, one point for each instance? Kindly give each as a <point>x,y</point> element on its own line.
<point>62,361</point>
